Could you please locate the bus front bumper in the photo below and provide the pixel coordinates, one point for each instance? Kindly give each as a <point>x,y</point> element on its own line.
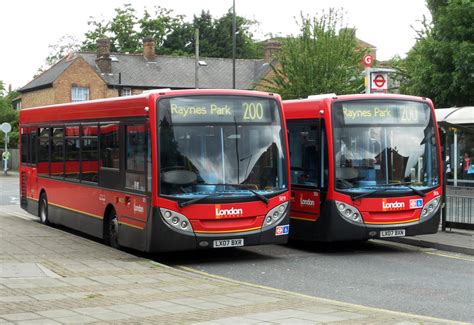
<point>161,237</point>
<point>330,227</point>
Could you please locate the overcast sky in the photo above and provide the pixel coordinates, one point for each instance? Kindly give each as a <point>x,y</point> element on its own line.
<point>28,27</point>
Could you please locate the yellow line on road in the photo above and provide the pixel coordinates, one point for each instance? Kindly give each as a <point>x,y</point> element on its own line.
<point>425,250</point>
<point>464,258</point>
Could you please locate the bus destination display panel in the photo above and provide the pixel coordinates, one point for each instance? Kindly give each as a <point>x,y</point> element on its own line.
<point>384,113</point>
<point>220,109</point>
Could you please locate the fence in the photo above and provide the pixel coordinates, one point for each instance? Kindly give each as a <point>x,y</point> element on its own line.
<point>460,208</point>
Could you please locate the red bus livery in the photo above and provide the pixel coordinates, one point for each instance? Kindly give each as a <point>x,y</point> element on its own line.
<point>363,166</point>
<point>164,171</point>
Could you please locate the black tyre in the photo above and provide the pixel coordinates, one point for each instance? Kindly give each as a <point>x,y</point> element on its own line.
<point>112,227</point>
<point>43,209</point>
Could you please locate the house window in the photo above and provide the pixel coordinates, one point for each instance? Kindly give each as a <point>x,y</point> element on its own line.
<point>126,92</point>
<point>79,94</point>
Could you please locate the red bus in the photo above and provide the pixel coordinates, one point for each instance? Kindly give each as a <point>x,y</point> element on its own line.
<point>363,167</point>
<point>164,171</point>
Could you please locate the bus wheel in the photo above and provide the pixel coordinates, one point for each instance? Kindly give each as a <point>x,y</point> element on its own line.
<point>43,209</point>
<point>112,230</point>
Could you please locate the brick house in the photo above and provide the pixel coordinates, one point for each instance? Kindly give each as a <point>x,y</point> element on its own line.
<point>88,75</point>
<point>102,74</point>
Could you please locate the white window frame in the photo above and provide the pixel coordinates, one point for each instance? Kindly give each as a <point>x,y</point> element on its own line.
<point>79,94</point>
<point>126,92</point>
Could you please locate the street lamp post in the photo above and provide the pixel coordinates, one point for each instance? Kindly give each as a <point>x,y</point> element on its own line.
<point>234,40</point>
<point>196,63</point>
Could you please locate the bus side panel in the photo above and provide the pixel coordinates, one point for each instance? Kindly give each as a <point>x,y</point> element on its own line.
<point>82,208</point>
<point>132,217</point>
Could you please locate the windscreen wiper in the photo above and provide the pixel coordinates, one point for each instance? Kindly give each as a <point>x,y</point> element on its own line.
<point>409,185</point>
<point>248,188</point>
<point>360,196</point>
<point>258,195</point>
<point>196,200</point>
<point>417,191</point>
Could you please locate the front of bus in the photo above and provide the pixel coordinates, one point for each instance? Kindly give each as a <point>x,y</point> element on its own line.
<point>222,171</point>
<point>387,175</point>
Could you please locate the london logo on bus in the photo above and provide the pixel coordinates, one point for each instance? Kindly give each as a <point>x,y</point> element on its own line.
<point>228,213</point>
<point>390,206</point>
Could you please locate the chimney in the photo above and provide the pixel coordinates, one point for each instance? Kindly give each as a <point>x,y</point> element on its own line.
<point>272,47</point>
<point>103,61</point>
<point>149,49</point>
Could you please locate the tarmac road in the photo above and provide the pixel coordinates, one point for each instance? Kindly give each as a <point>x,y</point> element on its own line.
<point>378,274</point>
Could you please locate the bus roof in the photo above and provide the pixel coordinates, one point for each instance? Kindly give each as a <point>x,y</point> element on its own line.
<point>315,107</point>
<point>116,107</point>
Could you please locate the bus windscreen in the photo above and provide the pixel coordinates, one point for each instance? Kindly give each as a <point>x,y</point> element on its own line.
<point>380,143</point>
<point>220,145</point>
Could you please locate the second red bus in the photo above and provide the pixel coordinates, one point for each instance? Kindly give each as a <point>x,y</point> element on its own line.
<point>363,166</point>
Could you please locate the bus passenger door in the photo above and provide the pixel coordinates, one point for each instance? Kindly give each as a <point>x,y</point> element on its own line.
<point>307,171</point>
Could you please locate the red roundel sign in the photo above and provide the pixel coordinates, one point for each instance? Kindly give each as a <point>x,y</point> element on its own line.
<point>367,60</point>
<point>379,81</point>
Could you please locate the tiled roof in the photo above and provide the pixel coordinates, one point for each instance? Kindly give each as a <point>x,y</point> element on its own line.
<point>133,70</point>
<point>46,78</point>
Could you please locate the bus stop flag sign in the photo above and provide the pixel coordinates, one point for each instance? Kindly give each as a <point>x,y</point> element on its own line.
<point>6,128</point>
<point>378,82</point>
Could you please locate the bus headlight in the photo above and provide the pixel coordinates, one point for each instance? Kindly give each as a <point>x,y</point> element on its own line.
<point>176,220</point>
<point>275,215</point>
<point>349,212</point>
<point>430,208</point>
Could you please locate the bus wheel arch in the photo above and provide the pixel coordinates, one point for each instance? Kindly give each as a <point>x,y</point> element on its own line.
<point>110,227</point>
<point>43,208</point>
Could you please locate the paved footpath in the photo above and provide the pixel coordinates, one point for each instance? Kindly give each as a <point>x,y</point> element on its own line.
<point>50,276</point>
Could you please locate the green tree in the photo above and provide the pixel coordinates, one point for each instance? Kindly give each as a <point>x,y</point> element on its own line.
<point>246,48</point>
<point>441,64</point>
<point>159,25</point>
<point>172,34</point>
<point>9,115</point>
<point>319,60</point>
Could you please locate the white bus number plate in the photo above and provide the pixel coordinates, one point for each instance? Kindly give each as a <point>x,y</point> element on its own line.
<point>392,233</point>
<point>228,243</point>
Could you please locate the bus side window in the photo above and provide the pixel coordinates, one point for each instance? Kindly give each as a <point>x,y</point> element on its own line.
<point>25,134</point>
<point>72,147</point>
<point>57,152</point>
<point>136,153</point>
<point>89,153</point>
<point>110,148</point>
<point>33,145</point>
<point>43,151</point>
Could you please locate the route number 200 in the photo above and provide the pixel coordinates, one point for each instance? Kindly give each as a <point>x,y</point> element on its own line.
<point>253,111</point>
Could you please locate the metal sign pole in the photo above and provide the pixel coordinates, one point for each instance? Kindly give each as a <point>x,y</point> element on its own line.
<point>368,80</point>
<point>6,128</point>
<point>5,157</point>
